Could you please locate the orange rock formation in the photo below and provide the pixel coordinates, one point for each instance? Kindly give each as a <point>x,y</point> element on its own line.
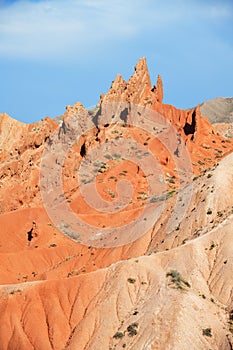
<point>163,290</point>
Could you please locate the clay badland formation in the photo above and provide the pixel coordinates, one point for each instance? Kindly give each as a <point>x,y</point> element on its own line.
<point>170,285</point>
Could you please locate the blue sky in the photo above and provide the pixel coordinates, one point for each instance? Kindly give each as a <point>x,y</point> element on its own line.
<point>55,52</point>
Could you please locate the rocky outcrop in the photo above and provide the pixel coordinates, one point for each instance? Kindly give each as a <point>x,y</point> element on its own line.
<point>138,90</point>
<point>204,143</point>
<point>20,155</point>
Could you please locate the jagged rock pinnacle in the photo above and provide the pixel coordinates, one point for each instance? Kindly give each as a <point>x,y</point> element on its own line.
<point>137,90</point>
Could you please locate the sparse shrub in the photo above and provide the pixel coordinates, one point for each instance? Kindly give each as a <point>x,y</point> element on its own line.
<point>231,315</point>
<point>12,292</point>
<point>170,194</point>
<point>175,276</point>
<point>70,234</point>
<point>207,332</point>
<point>231,321</point>
<point>112,194</point>
<point>108,156</point>
<point>171,180</point>
<point>209,212</point>
<point>177,279</point>
<point>131,280</point>
<point>143,197</point>
<point>156,199</point>
<point>118,335</point>
<point>131,329</point>
<point>116,156</point>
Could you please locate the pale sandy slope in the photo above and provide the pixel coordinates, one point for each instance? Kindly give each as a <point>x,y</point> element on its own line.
<point>86,311</point>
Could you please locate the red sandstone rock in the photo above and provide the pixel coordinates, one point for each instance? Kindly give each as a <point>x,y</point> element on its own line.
<point>57,293</point>
<point>138,90</point>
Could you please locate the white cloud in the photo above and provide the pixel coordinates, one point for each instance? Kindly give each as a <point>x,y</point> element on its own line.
<point>53,29</point>
<point>57,27</point>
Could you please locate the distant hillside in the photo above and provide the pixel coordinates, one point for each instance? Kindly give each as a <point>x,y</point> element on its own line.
<point>218,110</point>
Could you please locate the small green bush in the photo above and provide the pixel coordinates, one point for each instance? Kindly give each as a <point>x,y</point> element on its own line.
<point>131,329</point>
<point>118,335</point>
<point>207,332</point>
<point>177,279</point>
<point>131,280</point>
<point>212,246</point>
<point>52,245</point>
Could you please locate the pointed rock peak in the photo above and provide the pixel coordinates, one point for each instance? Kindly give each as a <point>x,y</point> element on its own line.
<point>78,105</point>
<point>159,89</point>
<point>141,65</point>
<point>140,80</point>
<point>198,109</point>
<point>115,93</point>
<point>118,81</point>
<point>119,78</point>
<point>76,108</point>
<point>159,80</point>
<point>137,90</point>
<point>141,70</point>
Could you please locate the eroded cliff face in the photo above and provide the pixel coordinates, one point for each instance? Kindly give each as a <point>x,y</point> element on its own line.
<point>22,146</point>
<point>201,138</point>
<point>59,293</point>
